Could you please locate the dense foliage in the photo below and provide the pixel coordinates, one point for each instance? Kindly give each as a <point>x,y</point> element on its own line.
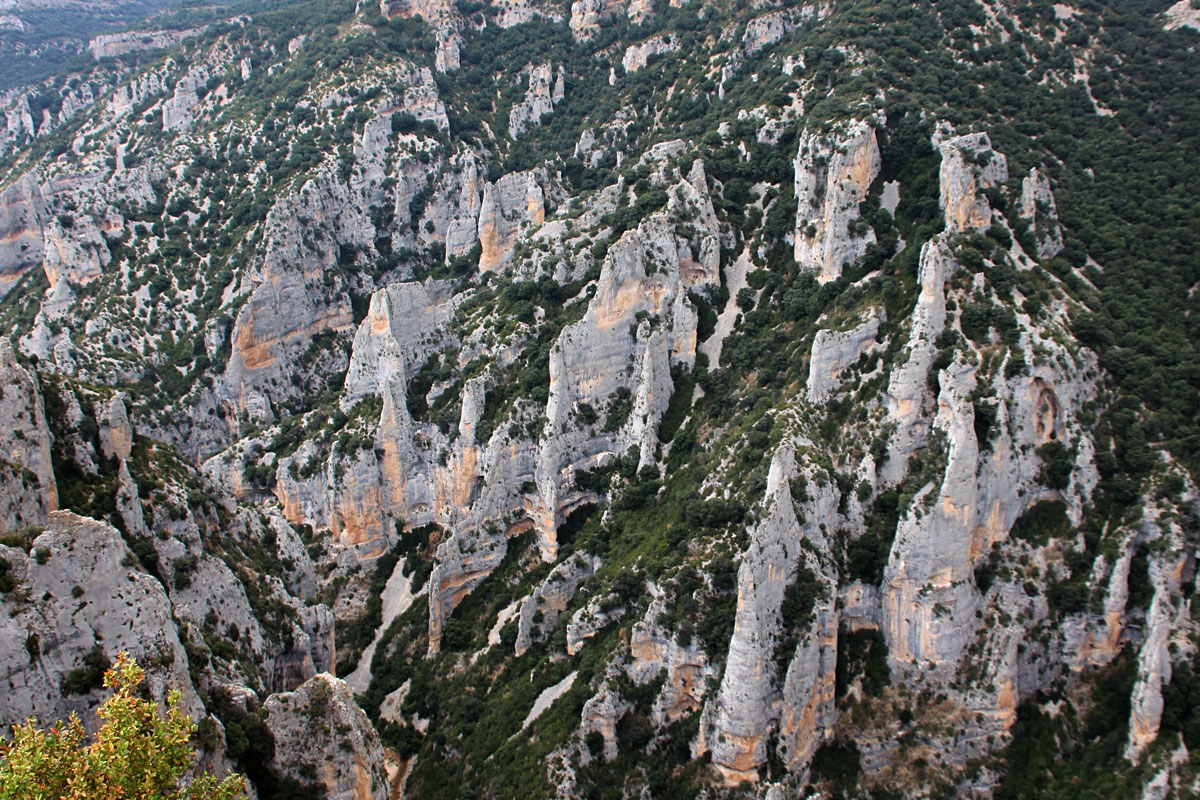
<point>136,753</point>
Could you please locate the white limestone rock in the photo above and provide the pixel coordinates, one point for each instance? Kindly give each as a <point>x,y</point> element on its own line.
<point>738,719</point>
<point>73,247</point>
<point>116,432</point>
<point>586,15</point>
<point>28,491</point>
<point>765,30</point>
<point>401,328</point>
<point>319,729</point>
<point>115,44</point>
<point>23,212</point>
<point>80,594</point>
<point>288,300</point>
<point>513,203</point>
<point>908,394</point>
<point>969,166</point>
<point>638,55</point>
<point>834,351</point>
<point>833,174</point>
<point>544,92</point>
<point>1038,209</point>
<point>540,611</point>
<point>177,109</point>
<point>687,673</point>
<point>591,619</point>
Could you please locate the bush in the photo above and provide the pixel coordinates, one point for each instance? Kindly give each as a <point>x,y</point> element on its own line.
<point>1041,522</point>
<point>839,763</point>
<point>136,754</point>
<point>91,675</point>
<point>1057,464</point>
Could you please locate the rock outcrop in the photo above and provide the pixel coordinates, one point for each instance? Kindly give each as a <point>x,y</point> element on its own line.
<point>28,492</point>
<point>401,328</point>
<point>834,351</point>
<point>289,302</point>
<point>1038,209</point>
<point>177,109</point>
<point>74,248</point>
<point>767,689</point>
<point>514,202</point>
<point>115,44</point>
<point>546,90</point>
<point>540,611</point>
<point>907,392</point>
<point>322,735</point>
<point>587,14</point>
<point>833,173</point>
<point>969,167</point>
<point>688,676</point>
<point>76,604</point>
<point>639,322</point>
<point>638,56</point>
<point>22,214</point>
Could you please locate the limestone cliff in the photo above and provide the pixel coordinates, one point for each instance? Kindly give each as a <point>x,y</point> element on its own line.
<point>22,214</point>
<point>628,398</point>
<point>322,736</point>
<point>28,492</point>
<point>969,167</point>
<point>833,174</point>
<point>77,602</point>
<point>774,686</point>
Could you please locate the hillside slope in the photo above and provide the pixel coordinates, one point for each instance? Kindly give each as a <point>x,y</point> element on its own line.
<point>620,398</point>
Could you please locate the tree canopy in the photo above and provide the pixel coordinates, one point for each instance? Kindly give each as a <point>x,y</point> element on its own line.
<point>138,752</point>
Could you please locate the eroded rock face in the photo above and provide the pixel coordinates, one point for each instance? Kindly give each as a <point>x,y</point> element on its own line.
<point>546,89</point>
<point>766,690</point>
<point>969,167</point>
<point>1038,209</point>
<point>18,119</point>
<point>935,619</point>
<point>514,202</point>
<point>74,247</point>
<point>639,55</point>
<point>1165,619</point>
<point>687,674</point>
<point>78,592</point>
<point>833,174</point>
<point>22,214</point>
<point>640,317</point>
<point>321,732</point>
<point>540,611</point>
<point>116,432</point>
<point>28,492</point>
<point>907,392</point>
<point>401,327</point>
<point>177,110</point>
<point>115,44</point>
<point>834,351</point>
<point>591,619</point>
<point>586,16</point>
<point>289,302</point>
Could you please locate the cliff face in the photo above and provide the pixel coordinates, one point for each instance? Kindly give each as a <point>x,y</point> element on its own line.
<point>22,213</point>
<point>774,688</point>
<point>77,601</point>
<point>27,489</point>
<point>322,735</point>
<point>833,173</point>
